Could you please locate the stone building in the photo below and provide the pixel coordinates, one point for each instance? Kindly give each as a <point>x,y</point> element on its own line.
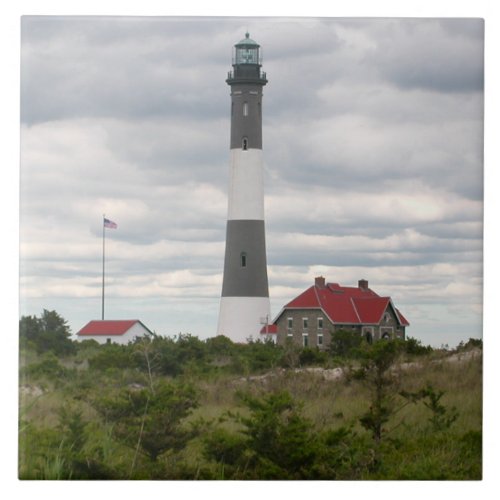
<point>311,317</point>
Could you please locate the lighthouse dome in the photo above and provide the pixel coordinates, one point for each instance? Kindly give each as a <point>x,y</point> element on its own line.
<point>247,41</point>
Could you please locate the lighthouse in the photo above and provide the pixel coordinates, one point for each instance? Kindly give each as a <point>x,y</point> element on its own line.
<point>245,306</point>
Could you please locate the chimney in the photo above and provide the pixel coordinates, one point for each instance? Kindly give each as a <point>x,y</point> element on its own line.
<point>363,284</point>
<point>319,282</point>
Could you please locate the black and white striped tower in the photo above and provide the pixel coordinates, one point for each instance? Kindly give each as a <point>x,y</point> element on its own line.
<point>245,302</point>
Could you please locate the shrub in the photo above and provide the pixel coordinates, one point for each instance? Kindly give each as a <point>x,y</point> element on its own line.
<point>112,356</point>
<point>49,367</point>
<point>312,356</point>
<point>470,344</point>
<point>150,420</point>
<point>278,442</point>
<point>414,347</point>
<point>345,343</point>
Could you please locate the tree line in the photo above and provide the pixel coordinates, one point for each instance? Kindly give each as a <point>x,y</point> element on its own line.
<point>184,353</point>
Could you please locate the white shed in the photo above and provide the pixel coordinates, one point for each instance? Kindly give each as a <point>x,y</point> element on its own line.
<point>116,331</point>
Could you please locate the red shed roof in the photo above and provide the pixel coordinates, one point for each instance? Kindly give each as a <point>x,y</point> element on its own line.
<point>345,305</point>
<point>267,329</point>
<point>109,327</point>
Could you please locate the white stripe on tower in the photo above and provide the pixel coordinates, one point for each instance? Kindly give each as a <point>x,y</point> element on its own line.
<point>246,185</point>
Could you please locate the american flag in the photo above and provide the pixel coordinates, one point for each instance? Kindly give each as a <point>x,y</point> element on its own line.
<point>110,224</point>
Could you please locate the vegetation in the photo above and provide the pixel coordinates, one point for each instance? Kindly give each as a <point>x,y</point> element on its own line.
<point>185,408</point>
<point>50,332</point>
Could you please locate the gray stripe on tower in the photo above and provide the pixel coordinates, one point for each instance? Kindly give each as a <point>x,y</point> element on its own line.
<point>245,265</point>
<point>246,117</point>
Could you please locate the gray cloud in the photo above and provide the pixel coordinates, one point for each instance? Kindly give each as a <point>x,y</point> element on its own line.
<point>372,146</point>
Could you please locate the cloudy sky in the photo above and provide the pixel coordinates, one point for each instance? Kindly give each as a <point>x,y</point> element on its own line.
<point>373,151</point>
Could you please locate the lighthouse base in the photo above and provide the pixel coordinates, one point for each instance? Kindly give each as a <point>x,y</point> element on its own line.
<point>242,318</point>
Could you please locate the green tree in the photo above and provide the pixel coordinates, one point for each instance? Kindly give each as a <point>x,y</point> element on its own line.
<point>441,417</point>
<point>415,347</point>
<point>277,442</point>
<point>150,420</point>
<point>377,361</point>
<point>220,345</point>
<point>279,435</point>
<point>345,343</point>
<point>312,356</point>
<point>260,355</point>
<point>174,356</point>
<point>50,332</point>
<point>470,344</point>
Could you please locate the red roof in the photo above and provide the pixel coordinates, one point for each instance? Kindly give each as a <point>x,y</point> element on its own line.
<point>345,305</point>
<point>269,329</point>
<point>108,327</point>
<point>404,321</point>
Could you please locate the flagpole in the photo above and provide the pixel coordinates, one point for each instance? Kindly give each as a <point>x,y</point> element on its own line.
<point>103,247</point>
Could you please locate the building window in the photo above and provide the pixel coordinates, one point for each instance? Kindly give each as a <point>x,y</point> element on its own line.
<point>289,335</point>
<point>245,109</point>
<point>386,335</point>
<point>320,323</point>
<point>320,339</point>
<point>305,339</point>
<point>244,144</point>
<point>243,259</point>
<point>305,323</point>
<point>108,341</point>
<point>289,323</point>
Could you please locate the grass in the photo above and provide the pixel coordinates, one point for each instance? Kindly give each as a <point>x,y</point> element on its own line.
<point>409,449</point>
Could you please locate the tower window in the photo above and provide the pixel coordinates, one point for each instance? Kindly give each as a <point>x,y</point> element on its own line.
<point>244,144</point>
<point>243,259</point>
<point>245,109</point>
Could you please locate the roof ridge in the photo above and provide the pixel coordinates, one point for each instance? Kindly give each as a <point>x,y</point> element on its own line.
<point>323,309</point>
<point>355,309</point>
